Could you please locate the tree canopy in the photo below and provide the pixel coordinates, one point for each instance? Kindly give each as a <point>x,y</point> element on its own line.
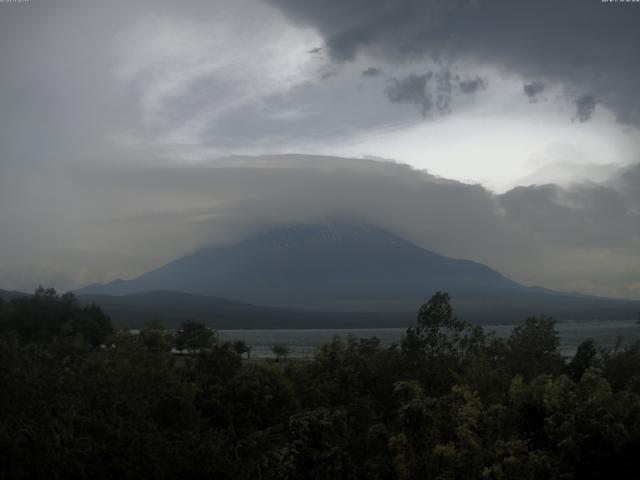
<point>450,402</point>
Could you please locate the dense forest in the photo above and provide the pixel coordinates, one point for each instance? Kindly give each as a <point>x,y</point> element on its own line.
<point>82,400</point>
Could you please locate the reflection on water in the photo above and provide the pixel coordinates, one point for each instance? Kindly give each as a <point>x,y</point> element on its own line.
<point>303,343</point>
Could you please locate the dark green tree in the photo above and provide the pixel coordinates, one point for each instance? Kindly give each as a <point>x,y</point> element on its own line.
<point>155,336</point>
<point>533,348</point>
<point>437,331</point>
<point>435,347</point>
<point>45,315</point>
<point>587,355</point>
<point>241,347</point>
<point>193,335</point>
<point>281,351</point>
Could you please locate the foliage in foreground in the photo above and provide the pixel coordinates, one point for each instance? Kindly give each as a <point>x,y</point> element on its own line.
<point>449,402</point>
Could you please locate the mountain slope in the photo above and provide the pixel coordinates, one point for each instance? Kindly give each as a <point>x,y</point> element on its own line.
<point>7,295</point>
<point>343,266</point>
<point>335,265</point>
<point>172,308</point>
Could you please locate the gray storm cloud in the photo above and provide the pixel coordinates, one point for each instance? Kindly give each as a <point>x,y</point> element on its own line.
<point>372,72</point>
<point>411,89</point>
<point>432,91</point>
<point>472,85</point>
<point>590,46</point>
<point>533,90</point>
<point>96,131</point>
<point>121,221</point>
<point>585,106</point>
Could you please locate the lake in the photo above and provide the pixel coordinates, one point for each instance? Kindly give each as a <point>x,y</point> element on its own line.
<point>303,343</point>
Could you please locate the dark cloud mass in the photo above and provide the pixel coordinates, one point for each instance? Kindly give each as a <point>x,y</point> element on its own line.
<point>533,89</point>
<point>587,44</point>
<point>411,89</point>
<point>433,91</point>
<point>585,106</point>
<point>372,72</point>
<point>472,85</point>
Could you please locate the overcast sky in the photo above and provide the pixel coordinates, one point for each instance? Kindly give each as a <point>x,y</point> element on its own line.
<point>507,132</point>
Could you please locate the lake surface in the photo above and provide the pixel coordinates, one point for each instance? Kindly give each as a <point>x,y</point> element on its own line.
<point>303,343</point>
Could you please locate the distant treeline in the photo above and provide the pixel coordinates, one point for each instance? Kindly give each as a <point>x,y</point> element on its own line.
<point>80,400</point>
